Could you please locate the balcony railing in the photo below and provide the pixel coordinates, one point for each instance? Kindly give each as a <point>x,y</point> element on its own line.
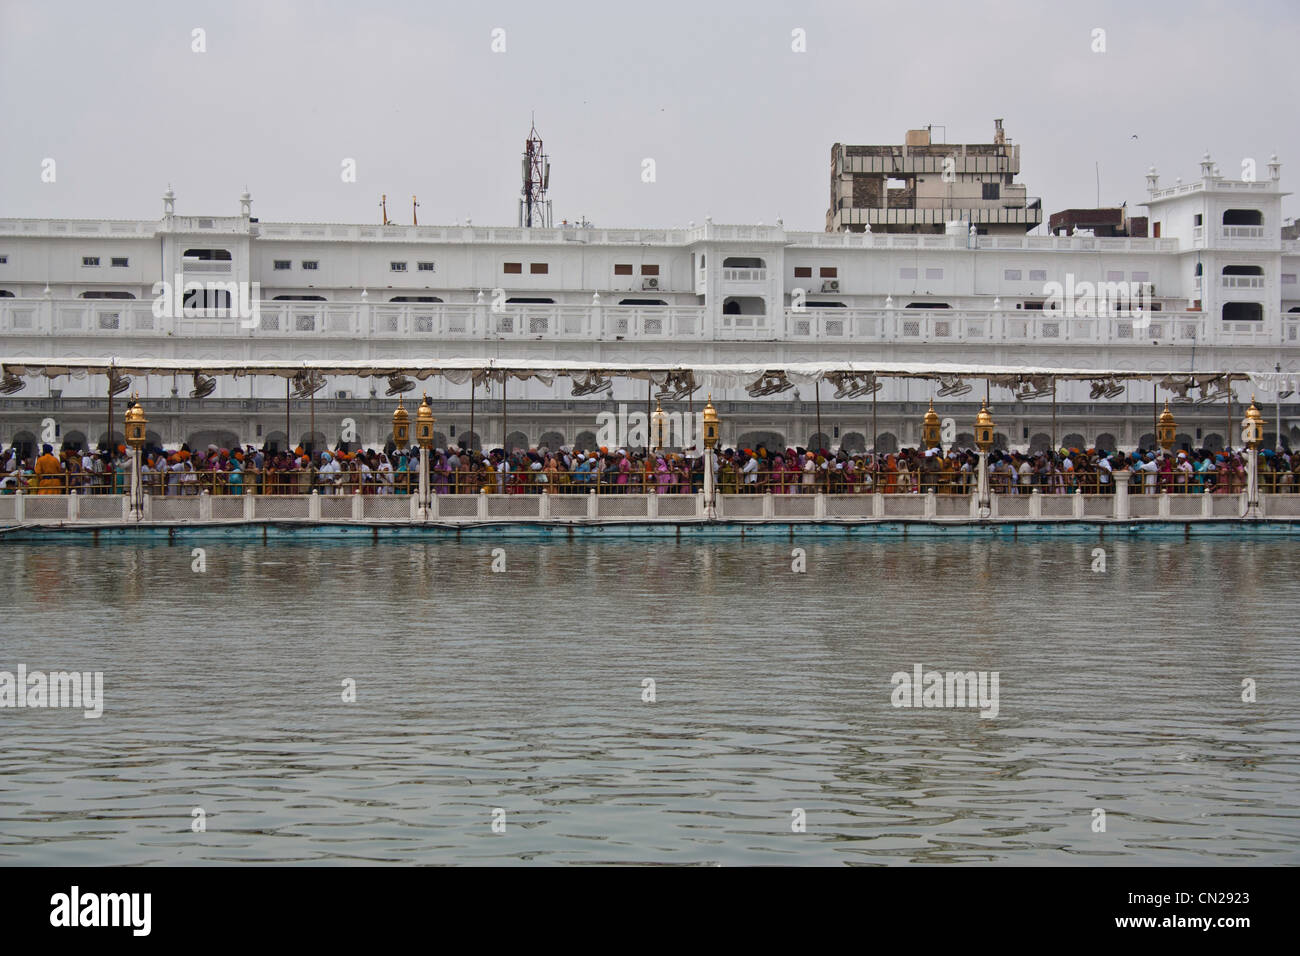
<point>1242,232</point>
<point>884,240</point>
<point>134,320</point>
<point>1241,282</point>
<point>744,275</point>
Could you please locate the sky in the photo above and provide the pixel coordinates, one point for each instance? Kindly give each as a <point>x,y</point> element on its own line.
<point>739,124</point>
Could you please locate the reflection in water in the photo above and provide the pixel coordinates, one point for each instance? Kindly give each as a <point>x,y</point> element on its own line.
<point>522,690</point>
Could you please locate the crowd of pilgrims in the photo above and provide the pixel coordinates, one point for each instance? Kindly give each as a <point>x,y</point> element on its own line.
<point>566,470</point>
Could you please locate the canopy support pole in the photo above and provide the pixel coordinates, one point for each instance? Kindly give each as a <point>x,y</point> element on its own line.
<point>817,396</point>
<point>875,432</point>
<point>1054,445</point>
<point>311,427</point>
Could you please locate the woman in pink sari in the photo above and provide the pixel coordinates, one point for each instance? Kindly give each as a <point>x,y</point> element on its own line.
<point>777,482</point>
<point>624,472</point>
<point>663,477</point>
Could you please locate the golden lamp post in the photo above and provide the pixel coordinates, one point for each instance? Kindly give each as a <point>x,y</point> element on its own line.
<point>424,422</point>
<point>710,440</point>
<point>135,437</point>
<point>658,421</point>
<point>1252,434</point>
<point>930,428</point>
<point>401,426</point>
<point>984,442</point>
<point>1166,429</point>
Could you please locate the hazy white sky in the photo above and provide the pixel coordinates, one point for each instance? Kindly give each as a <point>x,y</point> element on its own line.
<point>739,125</point>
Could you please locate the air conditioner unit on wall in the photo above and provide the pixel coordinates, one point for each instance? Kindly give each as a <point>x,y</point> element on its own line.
<point>650,283</point>
<point>343,393</point>
<point>831,285</point>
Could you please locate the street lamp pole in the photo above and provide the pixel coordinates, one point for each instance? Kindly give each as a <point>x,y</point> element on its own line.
<point>424,421</point>
<point>710,440</point>
<point>135,437</point>
<point>984,441</point>
<point>1252,432</point>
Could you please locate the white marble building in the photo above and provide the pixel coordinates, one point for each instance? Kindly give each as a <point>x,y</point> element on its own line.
<point>1220,280</point>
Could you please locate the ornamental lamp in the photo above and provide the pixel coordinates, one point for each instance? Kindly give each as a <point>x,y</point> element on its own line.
<point>658,421</point>
<point>401,426</point>
<point>984,428</point>
<point>710,424</point>
<point>135,423</point>
<point>424,424</point>
<point>930,428</point>
<point>1252,426</point>
<point>1166,429</point>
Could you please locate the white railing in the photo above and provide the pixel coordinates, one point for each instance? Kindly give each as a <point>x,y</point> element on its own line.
<point>884,240</point>
<point>1241,282</point>
<point>744,275</point>
<point>451,322</point>
<point>993,326</point>
<point>77,227</point>
<point>350,320</point>
<point>91,511</point>
<point>747,327</point>
<point>1242,232</point>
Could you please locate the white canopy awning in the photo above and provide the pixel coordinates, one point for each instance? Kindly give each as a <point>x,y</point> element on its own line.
<point>459,370</point>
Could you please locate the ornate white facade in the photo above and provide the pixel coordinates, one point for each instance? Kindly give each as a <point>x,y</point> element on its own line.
<point>1221,281</point>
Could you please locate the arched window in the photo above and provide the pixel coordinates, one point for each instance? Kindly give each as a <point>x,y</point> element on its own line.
<point>525,300</point>
<point>107,295</point>
<point>415,298</point>
<point>1243,312</point>
<point>1243,217</point>
<point>299,298</point>
<point>642,302</point>
<point>6,294</point>
<point>1243,271</point>
<point>772,441</point>
<point>744,305</point>
<point>207,255</point>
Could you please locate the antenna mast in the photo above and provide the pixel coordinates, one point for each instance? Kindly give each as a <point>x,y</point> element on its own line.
<point>534,207</point>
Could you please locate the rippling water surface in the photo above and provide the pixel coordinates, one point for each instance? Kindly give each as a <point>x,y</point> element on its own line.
<point>522,690</point>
